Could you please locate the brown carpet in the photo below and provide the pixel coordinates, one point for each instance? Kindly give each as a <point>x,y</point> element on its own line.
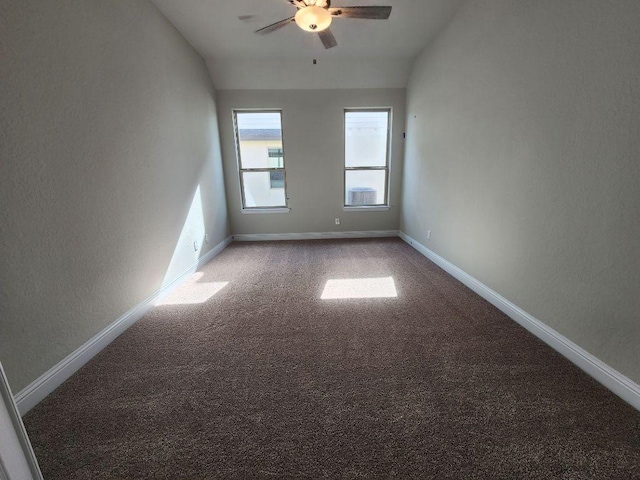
<point>267,380</point>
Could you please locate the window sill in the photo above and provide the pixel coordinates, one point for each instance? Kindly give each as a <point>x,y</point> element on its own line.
<point>378,208</point>
<point>256,211</point>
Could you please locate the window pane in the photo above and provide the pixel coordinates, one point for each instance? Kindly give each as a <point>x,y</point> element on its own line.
<point>366,139</point>
<point>258,190</point>
<point>365,187</point>
<point>258,134</point>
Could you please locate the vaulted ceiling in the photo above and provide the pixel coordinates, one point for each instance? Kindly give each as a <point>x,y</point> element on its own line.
<point>370,53</point>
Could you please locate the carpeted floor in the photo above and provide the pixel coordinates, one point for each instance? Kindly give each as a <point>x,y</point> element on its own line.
<point>267,380</point>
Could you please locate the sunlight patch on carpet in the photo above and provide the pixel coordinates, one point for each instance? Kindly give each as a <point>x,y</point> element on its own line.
<point>193,291</point>
<point>383,287</point>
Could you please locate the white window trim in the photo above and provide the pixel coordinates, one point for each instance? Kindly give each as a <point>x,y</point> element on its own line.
<point>260,210</point>
<point>367,208</point>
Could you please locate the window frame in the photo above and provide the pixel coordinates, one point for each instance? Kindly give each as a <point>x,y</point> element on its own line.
<point>242,171</point>
<point>375,206</point>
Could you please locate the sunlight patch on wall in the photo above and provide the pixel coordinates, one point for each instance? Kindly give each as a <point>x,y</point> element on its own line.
<point>193,291</point>
<point>383,287</point>
<point>193,230</point>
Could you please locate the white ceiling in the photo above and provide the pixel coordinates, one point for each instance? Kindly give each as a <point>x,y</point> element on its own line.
<point>370,53</point>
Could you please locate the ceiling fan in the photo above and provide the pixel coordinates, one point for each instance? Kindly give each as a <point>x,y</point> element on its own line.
<point>316,15</point>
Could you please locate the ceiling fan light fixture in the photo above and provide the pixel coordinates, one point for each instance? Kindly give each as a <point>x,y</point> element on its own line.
<point>313,18</point>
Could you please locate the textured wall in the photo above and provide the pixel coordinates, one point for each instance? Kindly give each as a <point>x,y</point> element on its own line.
<point>108,127</point>
<point>313,133</point>
<point>522,158</point>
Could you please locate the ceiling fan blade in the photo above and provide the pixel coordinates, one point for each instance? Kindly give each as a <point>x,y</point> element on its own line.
<point>249,18</point>
<point>328,40</point>
<point>276,26</point>
<point>371,13</point>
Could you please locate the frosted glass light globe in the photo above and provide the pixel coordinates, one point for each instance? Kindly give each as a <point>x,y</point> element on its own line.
<point>313,18</point>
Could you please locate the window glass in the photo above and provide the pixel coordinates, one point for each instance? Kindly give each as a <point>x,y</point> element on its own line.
<point>366,139</point>
<point>276,157</point>
<point>365,187</point>
<point>276,179</point>
<point>366,157</point>
<point>258,191</point>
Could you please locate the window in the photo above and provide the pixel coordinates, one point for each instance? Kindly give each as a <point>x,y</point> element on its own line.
<point>366,157</point>
<point>260,159</point>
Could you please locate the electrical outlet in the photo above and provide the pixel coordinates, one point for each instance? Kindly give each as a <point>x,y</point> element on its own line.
<point>206,238</point>
<point>337,221</point>
<point>428,234</point>
<point>195,246</point>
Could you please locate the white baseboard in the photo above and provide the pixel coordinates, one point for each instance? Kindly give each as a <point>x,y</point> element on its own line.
<point>257,237</point>
<point>46,383</point>
<point>619,384</point>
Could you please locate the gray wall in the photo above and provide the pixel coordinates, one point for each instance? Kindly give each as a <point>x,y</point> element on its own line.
<point>108,127</point>
<point>313,133</point>
<point>523,159</point>
<point>331,72</point>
